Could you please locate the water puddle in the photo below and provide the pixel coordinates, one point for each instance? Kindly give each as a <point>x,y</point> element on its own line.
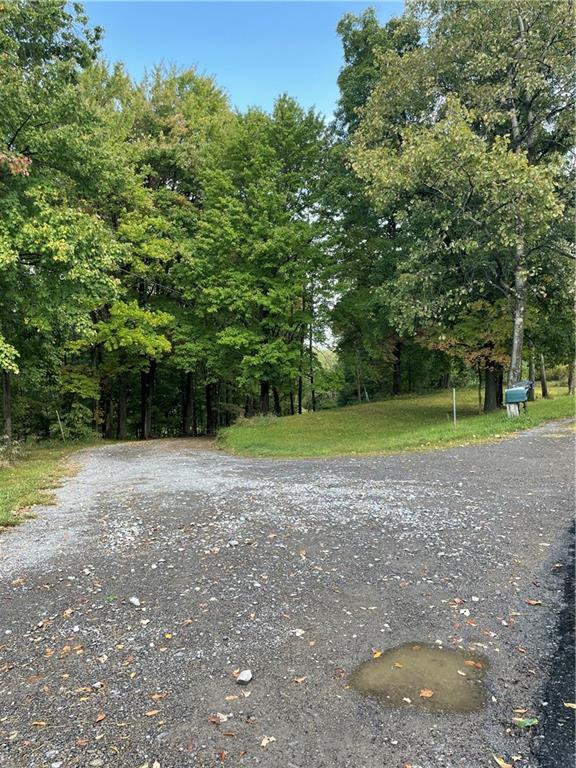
<point>427,676</point>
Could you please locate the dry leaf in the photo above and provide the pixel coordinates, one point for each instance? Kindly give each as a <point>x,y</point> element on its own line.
<point>151,712</point>
<point>376,654</point>
<point>267,740</point>
<point>99,717</point>
<point>501,762</point>
<point>217,718</point>
<point>534,602</point>
<point>155,764</point>
<point>158,696</point>
<point>472,663</point>
<point>397,665</point>
<point>40,723</point>
<point>298,679</point>
<point>231,698</point>
<point>570,705</point>
<point>426,693</point>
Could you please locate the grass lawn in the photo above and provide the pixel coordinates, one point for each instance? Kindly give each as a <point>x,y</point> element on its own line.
<point>408,423</point>
<point>28,480</point>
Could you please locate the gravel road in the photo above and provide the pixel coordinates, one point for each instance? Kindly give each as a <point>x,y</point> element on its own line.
<point>166,566</point>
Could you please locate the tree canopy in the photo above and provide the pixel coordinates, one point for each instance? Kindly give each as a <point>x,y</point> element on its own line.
<point>168,263</point>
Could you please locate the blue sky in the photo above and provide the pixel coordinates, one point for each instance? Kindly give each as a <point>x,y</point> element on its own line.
<point>255,50</point>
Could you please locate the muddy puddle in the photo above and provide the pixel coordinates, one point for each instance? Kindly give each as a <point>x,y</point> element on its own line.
<point>426,676</point>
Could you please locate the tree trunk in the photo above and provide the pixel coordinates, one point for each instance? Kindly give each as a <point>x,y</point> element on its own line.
<point>300,388</point>
<point>7,406</point>
<point>571,377</point>
<point>520,289</point>
<point>189,424</point>
<point>291,401</point>
<point>479,388</point>
<point>397,372</point>
<point>531,374</point>
<point>276,396</point>
<point>543,381</point>
<point>146,391</point>
<point>107,414</point>
<point>358,388</point>
<point>264,397</point>
<point>122,429</point>
<point>492,383</point>
<point>500,386</point>
<point>311,360</point>
<point>210,420</point>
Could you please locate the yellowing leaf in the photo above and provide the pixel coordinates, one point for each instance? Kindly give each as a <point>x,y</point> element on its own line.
<point>501,762</point>
<point>376,654</point>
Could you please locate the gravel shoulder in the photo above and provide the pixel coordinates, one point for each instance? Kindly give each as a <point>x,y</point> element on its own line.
<point>297,570</point>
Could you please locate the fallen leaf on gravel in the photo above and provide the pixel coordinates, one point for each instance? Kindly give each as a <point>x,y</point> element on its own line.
<point>525,722</point>
<point>376,654</point>
<point>298,632</point>
<point>426,693</point>
<point>155,764</point>
<point>534,602</point>
<point>151,712</point>
<point>217,718</point>
<point>39,723</point>
<point>570,705</point>
<point>231,698</point>
<point>99,717</point>
<point>231,734</point>
<point>267,740</point>
<point>67,613</point>
<point>520,710</point>
<point>158,696</point>
<point>472,663</point>
<point>398,665</point>
<point>298,679</point>
<point>501,762</point>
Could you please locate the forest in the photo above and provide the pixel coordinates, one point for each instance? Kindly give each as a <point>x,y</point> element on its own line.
<point>169,264</point>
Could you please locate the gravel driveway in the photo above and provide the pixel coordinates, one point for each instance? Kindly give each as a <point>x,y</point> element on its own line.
<point>165,567</point>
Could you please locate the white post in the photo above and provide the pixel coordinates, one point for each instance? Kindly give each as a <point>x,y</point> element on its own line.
<point>454,404</point>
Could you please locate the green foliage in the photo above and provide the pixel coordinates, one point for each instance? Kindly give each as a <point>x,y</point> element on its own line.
<point>168,263</point>
<point>75,425</point>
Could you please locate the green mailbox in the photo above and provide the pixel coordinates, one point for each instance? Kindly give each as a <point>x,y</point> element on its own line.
<point>516,394</point>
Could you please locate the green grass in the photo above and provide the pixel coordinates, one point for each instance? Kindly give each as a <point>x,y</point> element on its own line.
<point>29,479</point>
<point>409,423</point>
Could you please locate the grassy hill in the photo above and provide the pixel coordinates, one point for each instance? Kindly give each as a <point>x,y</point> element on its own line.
<point>409,423</point>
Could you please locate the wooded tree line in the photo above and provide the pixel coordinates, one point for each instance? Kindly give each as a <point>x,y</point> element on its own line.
<point>168,263</point>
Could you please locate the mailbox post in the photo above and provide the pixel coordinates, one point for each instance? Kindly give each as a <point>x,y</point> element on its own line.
<point>516,395</point>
